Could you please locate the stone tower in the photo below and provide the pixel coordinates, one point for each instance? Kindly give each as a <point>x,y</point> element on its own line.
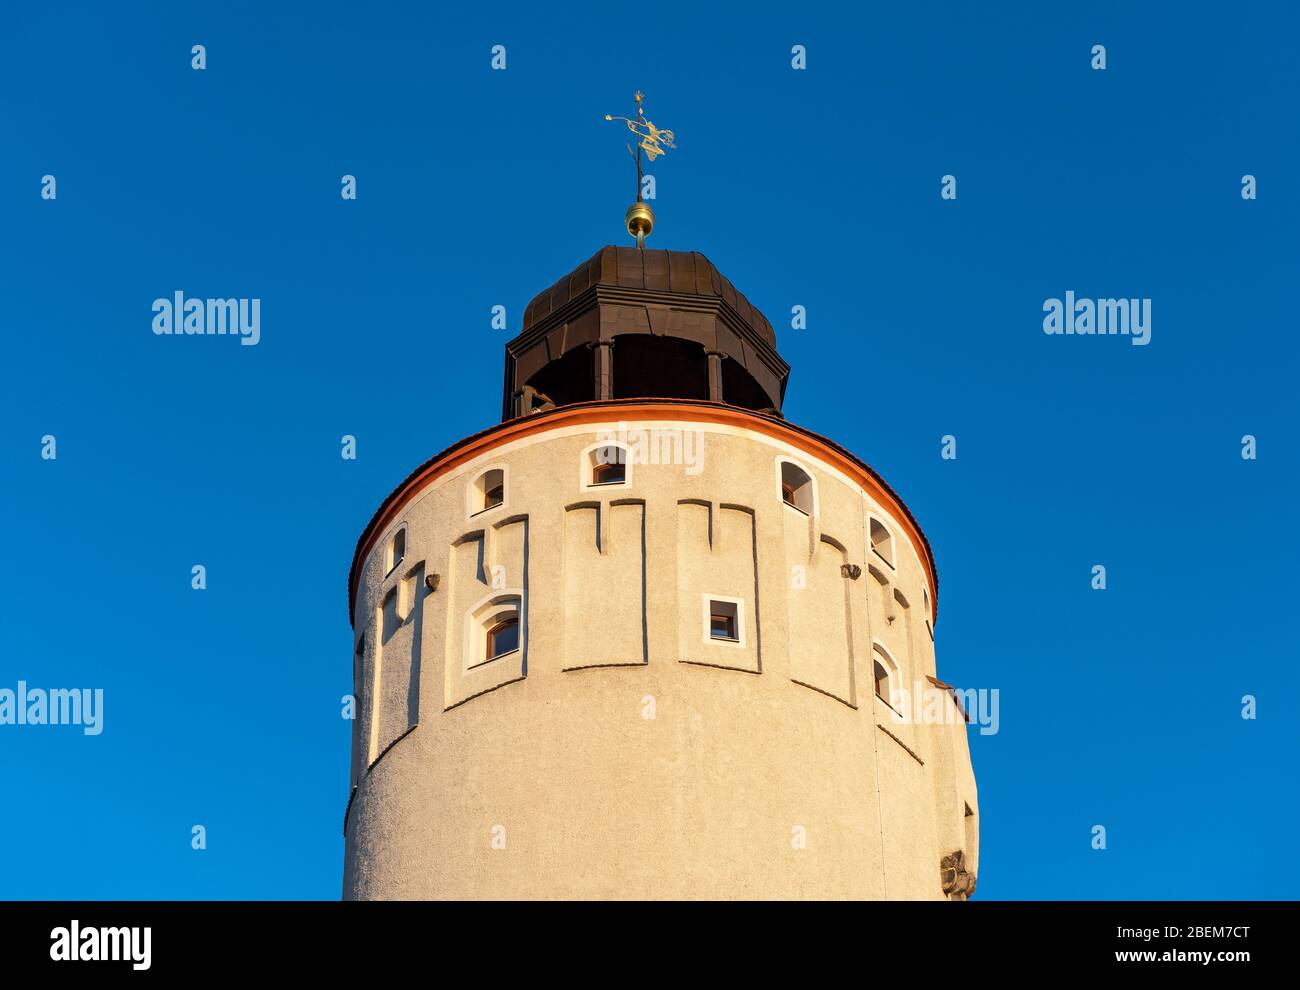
<point>647,639</point>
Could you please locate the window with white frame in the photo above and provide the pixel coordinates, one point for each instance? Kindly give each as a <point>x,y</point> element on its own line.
<point>882,542</point>
<point>488,490</point>
<point>608,465</point>
<point>724,620</point>
<point>796,487</point>
<point>493,631</point>
<point>502,636</point>
<point>885,674</point>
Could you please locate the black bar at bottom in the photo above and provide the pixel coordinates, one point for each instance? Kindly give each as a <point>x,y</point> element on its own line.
<point>937,941</point>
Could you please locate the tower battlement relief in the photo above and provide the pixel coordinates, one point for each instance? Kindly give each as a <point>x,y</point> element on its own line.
<point>645,639</point>
<point>592,657</point>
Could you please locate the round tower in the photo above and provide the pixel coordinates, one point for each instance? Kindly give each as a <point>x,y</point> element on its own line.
<point>645,638</point>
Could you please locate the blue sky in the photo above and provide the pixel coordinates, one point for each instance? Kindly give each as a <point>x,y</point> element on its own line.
<point>818,188</point>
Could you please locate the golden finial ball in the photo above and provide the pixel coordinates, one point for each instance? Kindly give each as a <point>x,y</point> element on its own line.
<point>640,220</point>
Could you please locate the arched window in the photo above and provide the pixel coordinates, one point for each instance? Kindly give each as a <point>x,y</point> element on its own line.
<point>885,674</point>
<point>502,636</point>
<point>606,465</point>
<point>493,629</point>
<point>882,680</point>
<point>882,542</point>
<point>488,491</point>
<point>796,487</point>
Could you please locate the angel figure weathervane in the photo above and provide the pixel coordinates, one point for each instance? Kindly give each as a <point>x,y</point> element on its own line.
<point>654,141</point>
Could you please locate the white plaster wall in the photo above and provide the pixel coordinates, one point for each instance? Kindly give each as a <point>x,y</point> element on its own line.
<point>764,771</point>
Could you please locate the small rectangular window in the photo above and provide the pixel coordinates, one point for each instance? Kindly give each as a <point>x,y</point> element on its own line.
<point>723,623</point>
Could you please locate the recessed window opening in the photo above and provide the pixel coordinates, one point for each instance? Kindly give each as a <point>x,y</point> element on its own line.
<point>494,630</point>
<point>884,671</point>
<point>502,636</point>
<point>882,681</point>
<point>882,542</point>
<point>723,621</point>
<point>489,490</point>
<point>796,488</point>
<point>608,465</point>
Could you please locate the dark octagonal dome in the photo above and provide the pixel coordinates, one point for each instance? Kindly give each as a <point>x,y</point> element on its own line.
<point>632,323</point>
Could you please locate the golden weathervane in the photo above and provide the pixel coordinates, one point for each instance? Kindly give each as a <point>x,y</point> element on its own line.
<point>654,141</point>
